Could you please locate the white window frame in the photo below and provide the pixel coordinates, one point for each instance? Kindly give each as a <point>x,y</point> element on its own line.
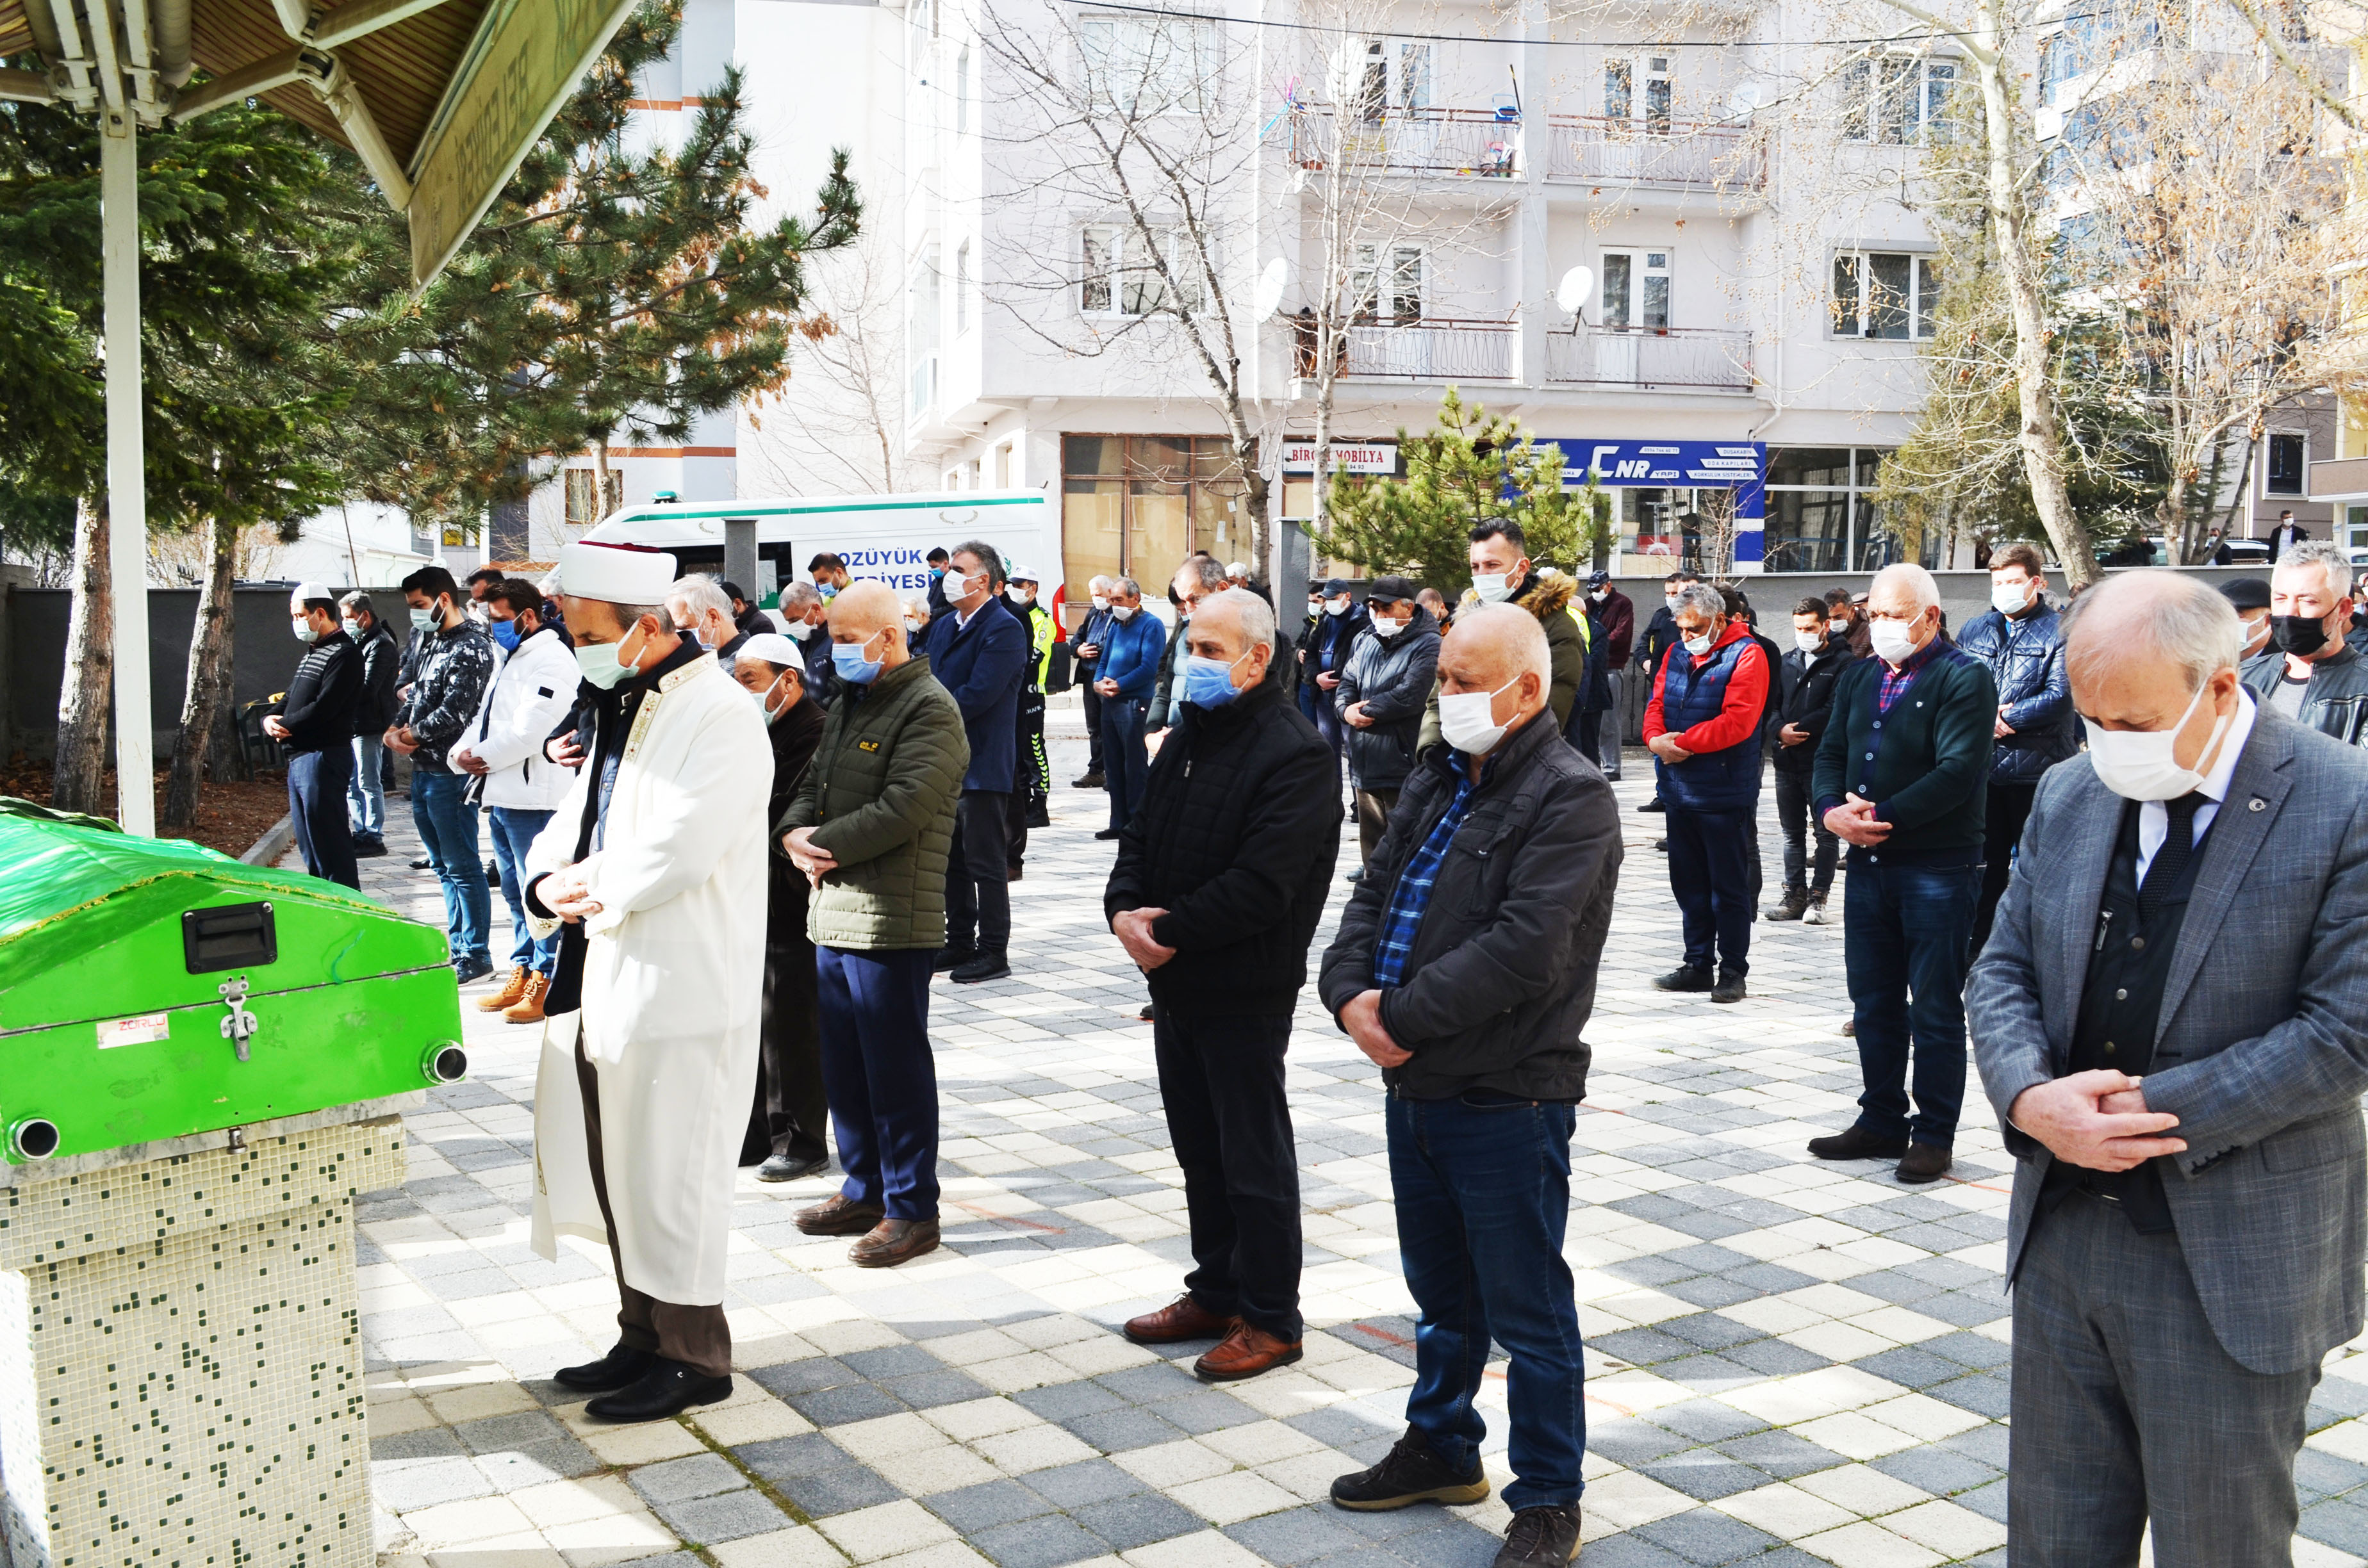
<point>1923,277</point>
<point>1644,84</point>
<point>1115,279</point>
<point>1895,100</point>
<point>1176,59</point>
<point>1642,271</point>
<point>1408,278</point>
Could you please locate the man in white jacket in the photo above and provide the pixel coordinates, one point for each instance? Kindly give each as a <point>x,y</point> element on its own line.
<point>533,687</point>
<point>656,864</point>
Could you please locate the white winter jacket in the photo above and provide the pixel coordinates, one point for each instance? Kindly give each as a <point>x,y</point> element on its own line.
<point>531,691</point>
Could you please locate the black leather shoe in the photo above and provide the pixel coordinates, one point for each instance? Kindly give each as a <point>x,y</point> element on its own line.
<point>1923,1163</point>
<point>1729,987</point>
<point>622,1367</point>
<point>987,964</point>
<point>1106,833</point>
<point>1858,1143</point>
<point>364,849</point>
<point>1685,977</point>
<point>1411,1472</point>
<point>668,1389</point>
<point>951,957</point>
<point>1652,805</point>
<point>789,1167</point>
<point>1086,781</point>
<point>1541,1537</point>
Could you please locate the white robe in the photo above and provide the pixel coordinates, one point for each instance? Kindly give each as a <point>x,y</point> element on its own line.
<point>673,986</point>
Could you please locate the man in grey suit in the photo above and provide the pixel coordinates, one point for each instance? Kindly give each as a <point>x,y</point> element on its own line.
<point>2169,1020</point>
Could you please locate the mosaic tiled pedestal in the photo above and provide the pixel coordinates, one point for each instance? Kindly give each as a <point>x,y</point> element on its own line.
<point>181,1356</point>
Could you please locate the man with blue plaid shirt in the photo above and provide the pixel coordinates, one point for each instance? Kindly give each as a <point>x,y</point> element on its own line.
<point>1464,968</point>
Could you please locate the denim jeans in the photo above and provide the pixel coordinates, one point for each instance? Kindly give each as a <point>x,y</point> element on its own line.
<point>1796,813</point>
<point>1126,765</point>
<point>1904,950</point>
<point>448,826</point>
<point>1483,1191</point>
<point>366,795</point>
<point>512,829</point>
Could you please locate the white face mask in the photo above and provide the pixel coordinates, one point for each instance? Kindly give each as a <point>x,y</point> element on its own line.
<point>1467,720</point>
<point>1020,597</point>
<point>1599,595</point>
<point>302,627</point>
<point>1124,612</point>
<point>1808,641</point>
<point>800,630</point>
<point>1337,607</point>
<point>1698,646</point>
<point>1493,587</point>
<point>2137,764</point>
<point>1672,604</point>
<point>1893,640</point>
<point>2010,599</point>
<point>1101,601</point>
<point>1385,627</point>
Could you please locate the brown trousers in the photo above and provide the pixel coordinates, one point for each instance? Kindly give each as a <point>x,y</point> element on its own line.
<point>1373,809</point>
<point>698,1337</point>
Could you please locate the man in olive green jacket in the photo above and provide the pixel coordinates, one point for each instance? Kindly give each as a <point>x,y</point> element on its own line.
<point>871,827</point>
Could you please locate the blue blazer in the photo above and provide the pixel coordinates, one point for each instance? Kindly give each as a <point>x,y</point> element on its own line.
<point>983,664</point>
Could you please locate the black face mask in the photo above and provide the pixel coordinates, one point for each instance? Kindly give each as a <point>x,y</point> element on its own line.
<point>2301,635</point>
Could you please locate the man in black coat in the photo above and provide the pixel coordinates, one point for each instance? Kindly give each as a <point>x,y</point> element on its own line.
<point>365,796</point>
<point>1817,658</point>
<point>1219,883</point>
<point>316,724</point>
<point>1465,968</point>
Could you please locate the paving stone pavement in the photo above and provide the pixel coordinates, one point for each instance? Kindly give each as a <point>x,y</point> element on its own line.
<point>1789,1362</point>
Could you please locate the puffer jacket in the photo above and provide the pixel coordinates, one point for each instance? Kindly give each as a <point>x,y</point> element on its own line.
<point>1329,644</point>
<point>1715,706</point>
<point>2026,660</point>
<point>1546,596</point>
<point>1235,838</point>
<point>2334,703</point>
<point>1501,981</point>
<point>881,794</point>
<point>1392,676</point>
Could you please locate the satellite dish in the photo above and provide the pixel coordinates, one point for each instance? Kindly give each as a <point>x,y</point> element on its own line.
<point>1572,291</point>
<point>1747,96</point>
<point>1269,287</point>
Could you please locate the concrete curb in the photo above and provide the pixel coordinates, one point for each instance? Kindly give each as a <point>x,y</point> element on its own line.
<point>266,850</point>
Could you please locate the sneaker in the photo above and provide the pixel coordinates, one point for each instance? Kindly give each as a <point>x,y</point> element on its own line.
<point>366,849</point>
<point>1409,1473</point>
<point>1814,912</point>
<point>472,968</point>
<point>1356,876</point>
<point>1541,1537</point>
<point>507,997</point>
<point>989,963</point>
<point>790,1167</point>
<point>951,957</point>
<point>1729,987</point>
<point>529,1009</point>
<point>421,864</point>
<point>1685,977</point>
<point>1794,906</point>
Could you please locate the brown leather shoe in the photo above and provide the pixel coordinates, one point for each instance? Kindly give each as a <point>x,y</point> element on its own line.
<point>529,1004</point>
<point>1923,1163</point>
<point>834,1216</point>
<point>1245,1353</point>
<point>893,1242</point>
<point>507,997</point>
<point>1179,1320</point>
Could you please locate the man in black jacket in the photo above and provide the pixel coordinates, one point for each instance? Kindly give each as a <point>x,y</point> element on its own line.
<point>316,725</point>
<point>1382,697</point>
<point>1465,968</point>
<point>1817,658</point>
<point>1215,894</point>
<point>365,796</point>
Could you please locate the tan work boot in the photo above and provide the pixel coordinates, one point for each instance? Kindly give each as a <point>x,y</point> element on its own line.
<point>529,1004</point>
<point>512,989</point>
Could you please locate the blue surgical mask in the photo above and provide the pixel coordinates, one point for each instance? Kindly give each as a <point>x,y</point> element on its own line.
<point>1209,683</point>
<point>847,659</point>
<point>506,633</point>
<point>423,620</point>
<point>604,664</point>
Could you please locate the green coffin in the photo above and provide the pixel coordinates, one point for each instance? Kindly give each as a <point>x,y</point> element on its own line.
<point>154,988</point>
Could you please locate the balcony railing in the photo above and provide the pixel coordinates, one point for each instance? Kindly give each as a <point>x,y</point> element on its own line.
<point>1433,351</point>
<point>1449,142</point>
<point>1669,152</point>
<point>1645,357</point>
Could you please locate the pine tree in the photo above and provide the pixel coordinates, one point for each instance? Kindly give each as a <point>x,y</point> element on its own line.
<point>1470,466</point>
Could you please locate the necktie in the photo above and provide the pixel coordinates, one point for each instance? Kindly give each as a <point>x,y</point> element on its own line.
<point>2178,846</point>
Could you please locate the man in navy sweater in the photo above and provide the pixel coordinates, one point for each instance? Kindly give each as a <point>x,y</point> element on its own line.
<point>1902,776</point>
<point>978,650</point>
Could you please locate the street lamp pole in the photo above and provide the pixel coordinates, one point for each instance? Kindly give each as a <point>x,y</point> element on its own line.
<point>127,491</point>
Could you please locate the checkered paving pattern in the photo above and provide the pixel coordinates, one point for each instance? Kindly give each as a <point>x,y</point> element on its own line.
<point>1788,1363</point>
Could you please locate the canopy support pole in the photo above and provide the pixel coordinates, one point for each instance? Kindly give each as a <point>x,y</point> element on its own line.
<point>127,488</point>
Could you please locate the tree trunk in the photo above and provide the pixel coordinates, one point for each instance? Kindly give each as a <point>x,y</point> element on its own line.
<point>2040,433</point>
<point>207,685</point>
<point>76,783</point>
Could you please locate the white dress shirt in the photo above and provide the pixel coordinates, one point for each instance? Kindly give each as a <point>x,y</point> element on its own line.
<point>2154,817</point>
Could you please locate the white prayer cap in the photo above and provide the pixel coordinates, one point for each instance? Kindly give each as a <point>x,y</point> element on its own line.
<point>615,574</point>
<point>305,591</point>
<point>773,648</point>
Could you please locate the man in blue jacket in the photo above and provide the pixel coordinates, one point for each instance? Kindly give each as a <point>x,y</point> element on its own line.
<point>1128,662</point>
<point>2019,638</point>
<point>978,650</point>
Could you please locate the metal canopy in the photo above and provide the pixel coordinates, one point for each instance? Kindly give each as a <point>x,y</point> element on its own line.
<point>440,99</point>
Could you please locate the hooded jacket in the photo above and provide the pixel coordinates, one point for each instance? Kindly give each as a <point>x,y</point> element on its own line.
<point>1548,597</point>
<point>1392,676</point>
<point>1501,980</point>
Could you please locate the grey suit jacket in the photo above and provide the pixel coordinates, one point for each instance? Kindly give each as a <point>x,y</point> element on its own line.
<point>2261,1048</point>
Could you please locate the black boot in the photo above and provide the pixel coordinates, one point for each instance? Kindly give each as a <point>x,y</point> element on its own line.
<point>666,1390</point>
<point>620,1368</point>
<point>1541,1537</point>
<point>1410,1472</point>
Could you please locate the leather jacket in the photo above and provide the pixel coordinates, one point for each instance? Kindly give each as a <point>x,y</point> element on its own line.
<point>2026,660</point>
<point>2336,701</point>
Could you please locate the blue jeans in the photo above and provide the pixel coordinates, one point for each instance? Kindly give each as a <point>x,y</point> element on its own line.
<point>448,826</point>
<point>880,1076</point>
<point>1904,950</point>
<point>514,828</point>
<point>1483,1191</point>
<point>366,792</point>
<point>1126,765</point>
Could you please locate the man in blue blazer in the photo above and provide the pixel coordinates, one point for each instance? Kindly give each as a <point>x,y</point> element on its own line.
<point>979,651</point>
